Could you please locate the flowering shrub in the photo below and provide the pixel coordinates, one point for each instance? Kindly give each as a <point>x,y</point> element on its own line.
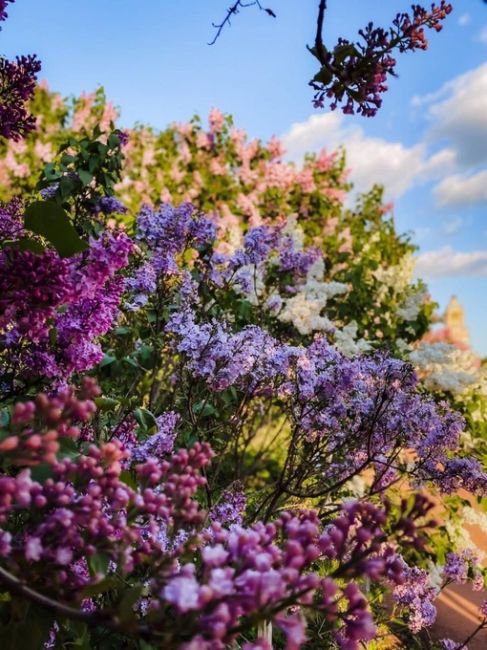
<point>17,85</point>
<point>130,500</point>
<point>245,184</point>
<point>246,461</point>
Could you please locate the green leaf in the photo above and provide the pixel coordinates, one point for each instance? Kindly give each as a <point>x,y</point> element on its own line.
<point>113,141</point>
<point>107,360</point>
<point>127,602</point>
<point>50,172</point>
<point>121,330</point>
<point>48,219</point>
<point>68,448</point>
<point>107,584</point>
<point>66,186</point>
<point>106,403</point>
<point>146,356</point>
<point>98,563</point>
<point>26,245</point>
<point>85,177</point>
<point>145,418</point>
<point>205,409</point>
<point>131,362</point>
<point>341,52</point>
<point>53,336</point>
<point>127,478</point>
<point>41,472</point>
<point>324,76</point>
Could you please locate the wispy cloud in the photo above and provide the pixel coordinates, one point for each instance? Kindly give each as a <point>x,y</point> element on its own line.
<point>371,159</point>
<point>453,149</point>
<point>462,189</point>
<point>453,226</point>
<point>446,263</point>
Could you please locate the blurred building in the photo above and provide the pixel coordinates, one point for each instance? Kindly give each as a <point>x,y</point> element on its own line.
<point>453,327</point>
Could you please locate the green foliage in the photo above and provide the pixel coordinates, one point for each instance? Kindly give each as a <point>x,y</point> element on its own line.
<point>48,219</point>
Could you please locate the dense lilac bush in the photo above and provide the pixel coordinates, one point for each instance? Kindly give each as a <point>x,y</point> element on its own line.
<point>199,446</point>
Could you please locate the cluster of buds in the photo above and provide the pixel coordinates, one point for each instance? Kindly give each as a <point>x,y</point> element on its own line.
<point>355,74</point>
<point>37,426</point>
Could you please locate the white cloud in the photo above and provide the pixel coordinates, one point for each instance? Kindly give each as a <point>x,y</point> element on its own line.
<point>458,113</point>
<point>453,226</point>
<point>464,19</point>
<point>462,189</point>
<point>371,160</point>
<point>445,262</point>
<point>483,35</point>
<point>457,133</point>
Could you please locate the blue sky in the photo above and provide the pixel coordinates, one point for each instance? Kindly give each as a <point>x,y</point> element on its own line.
<point>428,143</point>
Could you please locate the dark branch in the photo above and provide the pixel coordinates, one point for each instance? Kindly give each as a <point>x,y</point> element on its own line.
<point>320,48</point>
<point>232,11</point>
<point>104,618</point>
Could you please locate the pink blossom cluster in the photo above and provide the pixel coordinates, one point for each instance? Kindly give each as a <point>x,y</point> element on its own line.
<point>203,582</point>
<point>37,426</point>
<point>355,75</point>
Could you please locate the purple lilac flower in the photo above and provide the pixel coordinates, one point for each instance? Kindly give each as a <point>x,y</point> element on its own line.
<point>160,443</point>
<point>49,192</point>
<point>17,80</point>
<point>417,594</point>
<point>140,285</point>
<point>11,222</point>
<point>456,568</point>
<point>170,231</point>
<point>258,243</point>
<point>449,644</point>
<point>124,137</point>
<point>110,205</point>
<point>231,506</point>
<point>79,297</point>
<point>3,9</point>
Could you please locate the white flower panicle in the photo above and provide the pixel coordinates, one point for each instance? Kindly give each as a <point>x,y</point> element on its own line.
<point>444,367</point>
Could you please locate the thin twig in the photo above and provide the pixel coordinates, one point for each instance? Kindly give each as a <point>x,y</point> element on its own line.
<point>232,11</point>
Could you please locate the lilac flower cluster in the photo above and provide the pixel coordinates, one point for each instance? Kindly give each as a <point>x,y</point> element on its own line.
<point>160,443</point>
<point>221,357</point>
<point>417,595</point>
<point>230,507</point>
<point>463,567</point>
<point>356,74</point>
<point>263,247</point>
<point>37,426</point>
<point>3,9</point>
<point>170,231</point>
<point>259,572</point>
<point>167,234</point>
<point>11,225</point>
<point>73,523</point>
<point>85,508</point>
<point>348,414</point>
<point>17,85</point>
<point>52,309</point>
<point>110,205</point>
